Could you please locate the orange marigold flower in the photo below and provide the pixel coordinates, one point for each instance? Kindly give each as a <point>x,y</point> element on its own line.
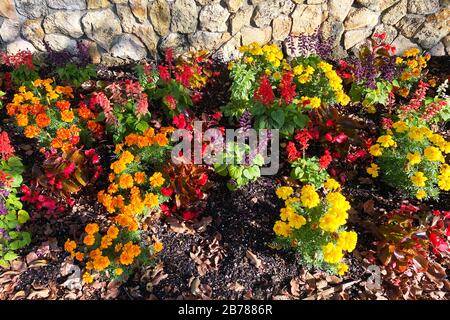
<point>31,131</point>
<point>42,120</point>
<point>113,188</point>
<point>91,228</point>
<point>63,105</point>
<point>22,120</point>
<point>94,254</point>
<point>79,256</point>
<point>106,242</point>
<point>63,134</point>
<point>158,246</point>
<point>113,232</point>
<point>85,113</point>
<point>101,263</point>
<point>70,245</point>
<point>161,140</point>
<point>89,240</point>
<point>67,116</point>
<point>139,177</point>
<point>151,200</point>
<point>126,258</point>
<point>56,143</point>
<point>126,181</point>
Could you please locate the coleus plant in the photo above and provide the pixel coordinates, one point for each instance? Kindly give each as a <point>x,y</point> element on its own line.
<point>12,215</point>
<point>409,235</point>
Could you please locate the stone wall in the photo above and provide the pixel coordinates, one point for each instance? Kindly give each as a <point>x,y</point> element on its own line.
<point>134,29</point>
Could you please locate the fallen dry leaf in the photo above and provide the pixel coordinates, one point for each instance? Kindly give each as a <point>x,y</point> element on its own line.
<point>253,259</point>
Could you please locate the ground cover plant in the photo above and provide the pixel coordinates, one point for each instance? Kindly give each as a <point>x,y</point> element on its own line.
<point>99,174</point>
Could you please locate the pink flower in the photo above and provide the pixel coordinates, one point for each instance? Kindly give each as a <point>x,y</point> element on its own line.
<point>142,105</point>
<point>170,102</point>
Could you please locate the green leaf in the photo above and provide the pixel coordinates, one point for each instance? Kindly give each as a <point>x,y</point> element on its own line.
<point>258,160</point>
<point>23,216</point>
<point>279,118</point>
<point>235,172</point>
<point>9,256</point>
<point>142,126</point>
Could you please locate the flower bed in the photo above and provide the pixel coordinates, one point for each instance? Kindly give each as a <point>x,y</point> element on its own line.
<point>103,156</point>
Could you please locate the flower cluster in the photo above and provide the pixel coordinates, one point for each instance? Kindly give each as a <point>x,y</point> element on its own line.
<point>314,225</point>
<point>412,64</point>
<point>116,251</point>
<point>420,154</point>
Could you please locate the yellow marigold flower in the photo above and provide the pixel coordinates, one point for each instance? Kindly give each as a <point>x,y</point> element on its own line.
<point>400,126</point>
<point>91,228</point>
<point>415,134</point>
<point>70,245</point>
<point>89,240</point>
<point>284,192</point>
<point>421,194</point>
<point>376,150</point>
<point>151,200</point>
<point>22,120</point>
<point>282,229</point>
<point>347,240</point>
<point>126,181</point>
<point>373,170</point>
<point>338,201</point>
<point>309,196</point>
<point>386,141</point>
<point>277,75</point>
<point>118,271</point>
<point>88,278</point>
<point>290,201</point>
<point>342,269</point>
<point>67,116</point>
<point>331,253</point>
<point>298,70</point>
<point>248,59</point>
<point>315,102</point>
<point>158,246</point>
<point>411,52</point>
<point>157,180</point>
<point>433,154</point>
<point>331,184</point>
<point>419,179</point>
<point>399,60</point>
<point>445,170</point>
<point>413,158</point>
<point>329,222</point>
<point>296,221</point>
<point>342,98</point>
<point>285,213</point>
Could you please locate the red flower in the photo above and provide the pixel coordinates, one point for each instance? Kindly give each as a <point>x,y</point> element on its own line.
<point>302,137</point>
<point>329,123</point>
<point>185,76</point>
<point>164,73</point>
<point>190,215</point>
<point>69,170</point>
<point>203,179</point>
<point>197,97</point>
<point>386,123</point>
<point>438,242</point>
<point>287,88</point>
<point>167,192</point>
<point>165,209</point>
<point>325,160</point>
<point>292,151</point>
<point>328,137</point>
<point>217,115</point>
<point>264,92</point>
<point>171,102</point>
<point>179,121</point>
<point>340,138</point>
<point>6,150</point>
